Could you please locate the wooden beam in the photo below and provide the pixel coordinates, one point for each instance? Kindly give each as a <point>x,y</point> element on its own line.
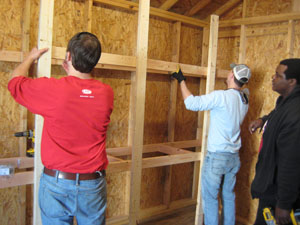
<point>151,162</point>
<point>168,4</point>
<point>196,8</point>
<point>126,151</point>
<point>88,7</point>
<point>23,114</point>
<point>257,31</point>
<point>17,179</point>
<point>132,6</point>
<point>43,69</point>
<point>290,39</point>
<point>18,162</point>
<point>172,109</point>
<point>243,38</point>
<point>121,62</point>
<point>202,90</point>
<point>138,96</point>
<point>261,19</point>
<point>226,7</point>
<point>210,85</point>
<point>174,156</point>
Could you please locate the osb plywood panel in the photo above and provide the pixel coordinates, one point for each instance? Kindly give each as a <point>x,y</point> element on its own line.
<point>190,45</point>
<point>10,24</point>
<point>297,40</point>
<point>152,188</point>
<point>116,29</point>
<point>160,39</point>
<point>266,7</point>
<point>263,55</point>
<point>10,39</point>
<point>155,131</point>
<point>116,192</point>
<point>117,136</point>
<point>156,108</point>
<point>228,52</point>
<point>68,20</point>
<point>185,129</point>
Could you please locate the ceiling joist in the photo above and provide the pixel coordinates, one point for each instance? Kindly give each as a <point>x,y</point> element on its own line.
<point>168,4</point>
<point>226,7</point>
<point>196,8</point>
<point>154,12</point>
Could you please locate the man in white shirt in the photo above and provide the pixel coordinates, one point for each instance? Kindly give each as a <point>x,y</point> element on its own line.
<point>227,112</point>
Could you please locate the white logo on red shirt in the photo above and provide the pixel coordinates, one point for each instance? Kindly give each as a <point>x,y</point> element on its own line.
<point>86,91</point>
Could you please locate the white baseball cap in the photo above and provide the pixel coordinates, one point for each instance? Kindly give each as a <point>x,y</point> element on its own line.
<point>241,72</point>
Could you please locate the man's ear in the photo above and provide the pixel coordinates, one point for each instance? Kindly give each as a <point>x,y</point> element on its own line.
<point>292,81</point>
<point>68,56</point>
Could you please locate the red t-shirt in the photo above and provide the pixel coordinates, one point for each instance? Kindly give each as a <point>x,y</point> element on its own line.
<point>76,116</point>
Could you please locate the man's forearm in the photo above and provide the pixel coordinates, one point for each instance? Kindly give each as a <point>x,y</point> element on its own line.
<point>184,90</point>
<point>22,69</point>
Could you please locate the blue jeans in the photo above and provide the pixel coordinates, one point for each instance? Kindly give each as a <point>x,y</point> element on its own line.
<point>218,167</point>
<point>61,199</point>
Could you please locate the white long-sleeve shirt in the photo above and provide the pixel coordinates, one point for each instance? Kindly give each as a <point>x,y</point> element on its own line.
<point>227,112</point>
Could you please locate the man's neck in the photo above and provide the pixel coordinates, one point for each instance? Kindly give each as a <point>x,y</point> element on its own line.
<point>78,74</point>
<point>233,86</point>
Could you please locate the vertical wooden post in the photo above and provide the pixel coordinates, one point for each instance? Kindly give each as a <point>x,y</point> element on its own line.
<point>243,38</point>
<point>137,117</point>
<point>210,84</point>
<point>172,110</point>
<point>23,113</point>
<point>291,39</point>
<point>202,89</point>
<point>88,13</point>
<point>43,69</point>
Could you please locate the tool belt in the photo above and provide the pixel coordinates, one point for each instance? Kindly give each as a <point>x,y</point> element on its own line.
<point>72,176</point>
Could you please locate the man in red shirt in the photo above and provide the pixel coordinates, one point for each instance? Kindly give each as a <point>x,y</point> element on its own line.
<point>76,111</point>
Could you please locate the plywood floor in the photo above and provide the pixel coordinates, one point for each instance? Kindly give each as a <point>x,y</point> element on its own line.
<point>185,216</point>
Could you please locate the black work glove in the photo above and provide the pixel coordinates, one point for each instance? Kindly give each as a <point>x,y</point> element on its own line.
<point>178,75</point>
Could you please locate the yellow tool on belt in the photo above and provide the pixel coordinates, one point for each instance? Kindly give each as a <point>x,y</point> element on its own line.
<point>30,135</point>
<point>270,219</point>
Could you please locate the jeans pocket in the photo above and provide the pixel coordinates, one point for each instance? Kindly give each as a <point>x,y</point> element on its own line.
<point>53,203</point>
<point>93,198</point>
<point>219,166</point>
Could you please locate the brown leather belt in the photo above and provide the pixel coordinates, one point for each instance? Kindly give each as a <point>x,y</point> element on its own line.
<point>72,176</point>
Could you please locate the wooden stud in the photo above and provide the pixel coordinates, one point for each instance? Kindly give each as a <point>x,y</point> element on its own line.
<point>210,84</point>
<point>290,39</point>
<point>23,114</point>
<point>243,39</point>
<point>138,96</point>
<point>202,90</point>
<point>256,31</point>
<point>168,4</point>
<point>43,69</point>
<point>172,109</point>
<point>261,19</point>
<point>88,13</point>
<point>196,8</point>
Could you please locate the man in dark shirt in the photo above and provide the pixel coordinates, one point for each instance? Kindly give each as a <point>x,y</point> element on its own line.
<point>277,180</point>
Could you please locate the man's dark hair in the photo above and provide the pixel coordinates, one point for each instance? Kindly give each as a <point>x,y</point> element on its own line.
<point>293,69</point>
<point>238,83</point>
<point>85,50</point>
